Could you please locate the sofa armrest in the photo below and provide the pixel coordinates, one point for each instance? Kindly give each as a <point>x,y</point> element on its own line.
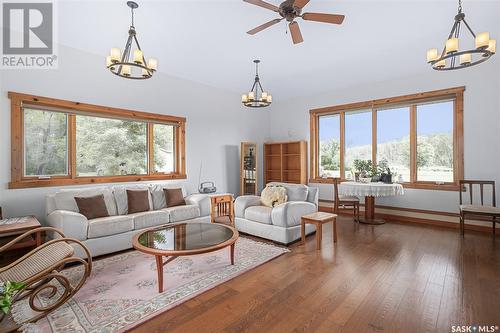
<point>73,225</point>
<point>290,213</point>
<point>243,202</point>
<point>200,200</point>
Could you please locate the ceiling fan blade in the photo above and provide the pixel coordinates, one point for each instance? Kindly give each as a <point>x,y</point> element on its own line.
<point>263,4</point>
<point>295,32</point>
<point>300,3</point>
<point>263,26</point>
<point>326,18</point>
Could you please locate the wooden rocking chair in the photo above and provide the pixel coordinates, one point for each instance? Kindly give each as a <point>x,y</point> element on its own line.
<point>39,270</point>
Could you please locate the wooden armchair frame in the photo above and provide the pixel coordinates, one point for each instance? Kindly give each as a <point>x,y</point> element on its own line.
<point>44,279</point>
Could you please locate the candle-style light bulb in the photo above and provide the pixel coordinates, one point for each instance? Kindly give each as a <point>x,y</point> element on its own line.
<point>115,54</point>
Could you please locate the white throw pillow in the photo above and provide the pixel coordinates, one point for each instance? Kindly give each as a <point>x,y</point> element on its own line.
<point>272,196</point>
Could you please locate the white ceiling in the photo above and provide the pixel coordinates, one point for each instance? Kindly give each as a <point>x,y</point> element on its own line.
<point>205,41</point>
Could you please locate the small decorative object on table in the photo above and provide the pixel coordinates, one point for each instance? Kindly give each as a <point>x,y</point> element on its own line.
<point>222,205</point>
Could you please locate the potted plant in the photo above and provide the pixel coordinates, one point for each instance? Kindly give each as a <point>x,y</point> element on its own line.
<point>364,170</point>
<point>7,290</point>
<point>384,171</point>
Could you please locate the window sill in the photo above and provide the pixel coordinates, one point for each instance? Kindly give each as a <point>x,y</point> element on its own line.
<point>32,183</point>
<point>421,186</point>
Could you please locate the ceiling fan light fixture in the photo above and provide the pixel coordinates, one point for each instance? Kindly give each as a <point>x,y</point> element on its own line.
<point>290,10</point>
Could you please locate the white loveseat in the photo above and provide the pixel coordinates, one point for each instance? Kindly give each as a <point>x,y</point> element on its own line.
<point>114,233</point>
<point>281,223</point>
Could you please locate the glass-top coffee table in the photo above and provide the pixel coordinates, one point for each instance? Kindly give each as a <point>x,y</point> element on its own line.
<point>184,239</point>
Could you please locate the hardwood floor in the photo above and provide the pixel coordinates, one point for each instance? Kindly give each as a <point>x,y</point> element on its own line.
<point>385,278</point>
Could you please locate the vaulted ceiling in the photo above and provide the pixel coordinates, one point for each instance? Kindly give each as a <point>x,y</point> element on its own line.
<point>205,41</point>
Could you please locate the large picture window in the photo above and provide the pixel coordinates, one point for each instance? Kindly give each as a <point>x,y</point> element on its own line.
<point>56,142</point>
<point>420,136</point>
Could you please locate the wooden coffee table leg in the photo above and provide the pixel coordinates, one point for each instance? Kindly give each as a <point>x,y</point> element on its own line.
<point>319,235</point>
<point>334,230</point>
<point>159,268</point>
<point>232,254</point>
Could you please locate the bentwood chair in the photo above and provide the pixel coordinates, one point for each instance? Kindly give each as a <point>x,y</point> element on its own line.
<point>471,209</point>
<point>345,202</point>
<point>41,272</point>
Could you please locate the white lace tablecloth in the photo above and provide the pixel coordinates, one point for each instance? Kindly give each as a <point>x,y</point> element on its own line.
<point>370,189</point>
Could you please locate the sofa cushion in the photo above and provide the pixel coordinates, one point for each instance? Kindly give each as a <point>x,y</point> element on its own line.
<point>150,219</point>
<point>92,207</point>
<point>173,197</point>
<point>112,225</point>
<point>138,201</point>
<point>158,195</point>
<point>261,214</point>
<point>273,195</point>
<point>65,199</point>
<point>182,213</point>
<point>295,192</point>
<point>120,194</point>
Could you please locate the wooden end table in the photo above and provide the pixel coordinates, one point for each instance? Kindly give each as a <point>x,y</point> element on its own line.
<point>12,227</point>
<point>222,205</point>
<point>318,219</point>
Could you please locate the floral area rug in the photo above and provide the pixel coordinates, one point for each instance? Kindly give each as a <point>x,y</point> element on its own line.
<point>122,291</point>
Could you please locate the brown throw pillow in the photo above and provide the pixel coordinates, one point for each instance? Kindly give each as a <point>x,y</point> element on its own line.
<point>92,207</point>
<point>138,201</point>
<point>173,197</point>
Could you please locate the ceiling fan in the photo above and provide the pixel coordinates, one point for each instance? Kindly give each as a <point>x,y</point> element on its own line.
<point>290,10</point>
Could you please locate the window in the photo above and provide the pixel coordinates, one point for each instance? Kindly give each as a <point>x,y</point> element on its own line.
<point>110,147</point>
<point>163,148</point>
<point>56,142</point>
<point>358,138</point>
<point>393,140</point>
<point>435,142</point>
<point>46,142</point>
<point>420,136</point>
<point>329,143</point>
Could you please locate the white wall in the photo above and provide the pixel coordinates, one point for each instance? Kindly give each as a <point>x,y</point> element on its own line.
<point>216,121</point>
<point>290,120</point>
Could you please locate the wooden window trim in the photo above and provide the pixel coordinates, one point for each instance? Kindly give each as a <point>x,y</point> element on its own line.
<point>456,93</point>
<point>18,180</point>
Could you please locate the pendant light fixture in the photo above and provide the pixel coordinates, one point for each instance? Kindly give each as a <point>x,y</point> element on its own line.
<point>135,67</point>
<point>484,47</point>
<point>257,97</point>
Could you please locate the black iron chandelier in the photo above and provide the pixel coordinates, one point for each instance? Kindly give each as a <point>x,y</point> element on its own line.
<point>120,63</point>
<point>484,48</point>
<point>257,97</point>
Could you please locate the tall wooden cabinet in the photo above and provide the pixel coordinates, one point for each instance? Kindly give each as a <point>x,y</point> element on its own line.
<point>285,162</point>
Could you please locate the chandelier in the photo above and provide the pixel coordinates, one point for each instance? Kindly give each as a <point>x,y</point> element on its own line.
<point>484,48</point>
<point>257,97</point>
<point>120,63</point>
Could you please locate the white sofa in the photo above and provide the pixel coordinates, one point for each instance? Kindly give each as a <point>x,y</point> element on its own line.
<point>114,233</point>
<point>281,223</point>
